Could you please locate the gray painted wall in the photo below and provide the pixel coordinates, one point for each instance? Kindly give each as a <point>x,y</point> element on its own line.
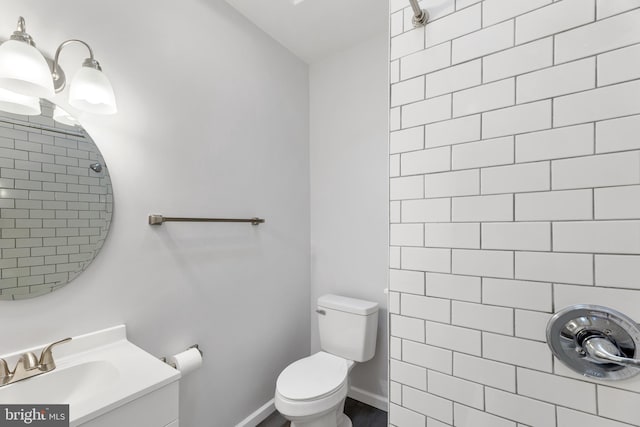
<point>349,220</point>
<point>213,121</point>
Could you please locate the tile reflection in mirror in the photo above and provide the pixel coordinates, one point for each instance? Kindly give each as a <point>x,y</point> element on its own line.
<point>55,204</point>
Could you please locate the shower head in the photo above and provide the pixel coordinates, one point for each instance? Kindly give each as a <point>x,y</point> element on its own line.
<point>420,16</point>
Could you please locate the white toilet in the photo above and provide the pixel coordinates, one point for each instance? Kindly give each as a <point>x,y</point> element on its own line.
<point>311,391</point>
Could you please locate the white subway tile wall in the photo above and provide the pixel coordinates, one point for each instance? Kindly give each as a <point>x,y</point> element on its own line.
<point>54,210</point>
<point>516,124</point>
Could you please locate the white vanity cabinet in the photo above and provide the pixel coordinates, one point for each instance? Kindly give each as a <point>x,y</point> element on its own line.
<point>156,409</point>
<point>106,380</point>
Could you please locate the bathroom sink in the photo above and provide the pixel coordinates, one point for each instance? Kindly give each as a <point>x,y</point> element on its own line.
<point>75,383</point>
<point>95,373</point>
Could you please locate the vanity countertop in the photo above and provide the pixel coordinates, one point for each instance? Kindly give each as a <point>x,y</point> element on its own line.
<point>95,373</point>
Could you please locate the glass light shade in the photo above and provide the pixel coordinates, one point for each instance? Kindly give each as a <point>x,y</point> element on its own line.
<point>24,70</point>
<point>61,116</point>
<point>91,91</point>
<point>19,104</point>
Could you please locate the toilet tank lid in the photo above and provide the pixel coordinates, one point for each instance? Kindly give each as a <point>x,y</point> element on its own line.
<point>349,305</point>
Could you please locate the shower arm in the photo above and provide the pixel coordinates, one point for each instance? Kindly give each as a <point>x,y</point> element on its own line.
<point>420,16</point>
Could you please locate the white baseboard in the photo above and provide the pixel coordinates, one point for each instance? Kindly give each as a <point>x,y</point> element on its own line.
<point>369,398</point>
<point>259,415</point>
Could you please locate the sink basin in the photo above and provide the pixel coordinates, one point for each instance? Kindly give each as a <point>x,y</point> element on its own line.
<point>95,374</point>
<point>75,383</point>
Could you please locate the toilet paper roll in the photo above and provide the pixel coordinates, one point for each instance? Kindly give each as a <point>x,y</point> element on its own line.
<point>187,361</point>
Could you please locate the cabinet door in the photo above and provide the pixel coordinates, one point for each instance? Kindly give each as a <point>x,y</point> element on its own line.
<point>156,409</point>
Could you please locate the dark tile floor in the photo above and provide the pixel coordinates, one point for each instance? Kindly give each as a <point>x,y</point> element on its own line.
<point>361,415</point>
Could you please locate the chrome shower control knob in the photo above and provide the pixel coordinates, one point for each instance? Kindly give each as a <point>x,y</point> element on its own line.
<point>601,350</point>
<point>595,341</point>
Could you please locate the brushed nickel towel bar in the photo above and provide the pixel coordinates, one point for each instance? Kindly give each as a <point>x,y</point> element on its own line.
<point>159,219</point>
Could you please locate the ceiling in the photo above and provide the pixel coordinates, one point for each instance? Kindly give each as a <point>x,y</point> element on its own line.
<point>313,29</point>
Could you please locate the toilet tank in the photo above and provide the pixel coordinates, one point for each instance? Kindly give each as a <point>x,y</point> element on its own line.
<point>348,327</point>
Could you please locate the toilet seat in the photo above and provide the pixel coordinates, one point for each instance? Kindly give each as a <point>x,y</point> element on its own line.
<point>292,409</point>
<point>312,385</point>
<point>312,377</point>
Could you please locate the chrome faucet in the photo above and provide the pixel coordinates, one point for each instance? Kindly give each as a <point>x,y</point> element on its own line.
<point>28,365</point>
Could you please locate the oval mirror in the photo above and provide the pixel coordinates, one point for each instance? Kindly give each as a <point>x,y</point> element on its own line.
<point>56,202</point>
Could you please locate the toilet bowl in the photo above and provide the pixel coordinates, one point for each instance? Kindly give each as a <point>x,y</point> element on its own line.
<point>311,392</point>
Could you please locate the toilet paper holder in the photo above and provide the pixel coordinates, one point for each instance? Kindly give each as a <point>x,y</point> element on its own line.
<point>595,341</point>
<point>173,365</point>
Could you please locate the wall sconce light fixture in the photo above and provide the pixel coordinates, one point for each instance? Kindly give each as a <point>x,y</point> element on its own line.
<point>26,75</point>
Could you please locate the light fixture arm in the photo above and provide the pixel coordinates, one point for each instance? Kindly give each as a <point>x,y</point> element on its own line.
<point>20,34</point>
<point>59,80</point>
<point>22,25</point>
